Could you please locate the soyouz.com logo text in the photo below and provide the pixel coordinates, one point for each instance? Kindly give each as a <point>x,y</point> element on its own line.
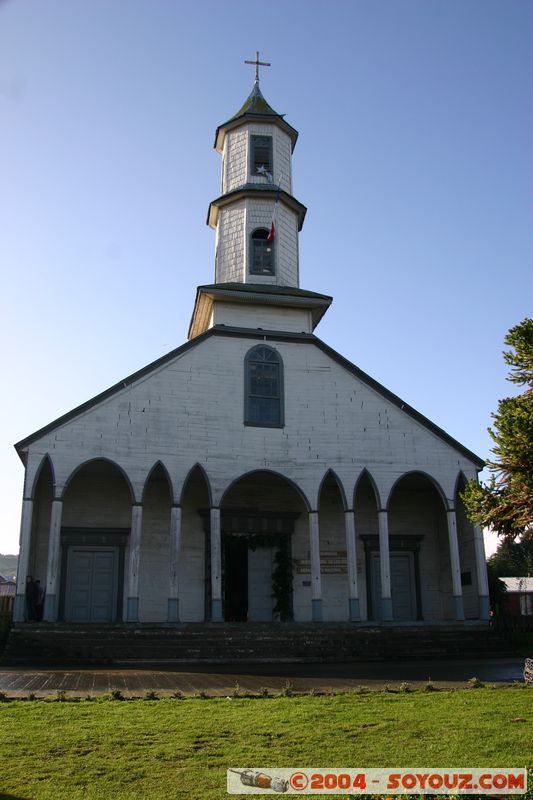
<point>253,780</point>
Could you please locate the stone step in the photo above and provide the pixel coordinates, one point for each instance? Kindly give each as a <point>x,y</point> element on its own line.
<point>53,644</point>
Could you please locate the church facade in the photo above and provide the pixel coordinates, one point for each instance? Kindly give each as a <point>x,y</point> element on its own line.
<point>252,474</point>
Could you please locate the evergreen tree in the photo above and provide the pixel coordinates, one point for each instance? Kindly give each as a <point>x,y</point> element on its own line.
<point>514,559</point>
<point>505,504</point>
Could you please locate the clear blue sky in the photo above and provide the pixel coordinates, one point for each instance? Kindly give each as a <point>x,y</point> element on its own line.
<point>414,160</point>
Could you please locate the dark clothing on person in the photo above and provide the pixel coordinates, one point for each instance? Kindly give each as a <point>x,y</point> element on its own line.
<point>32,590</point>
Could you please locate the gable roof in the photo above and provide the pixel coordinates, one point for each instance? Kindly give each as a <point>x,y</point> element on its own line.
<point>254,333</point>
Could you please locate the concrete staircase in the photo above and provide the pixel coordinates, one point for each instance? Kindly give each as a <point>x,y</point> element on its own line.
<point>40,644</point>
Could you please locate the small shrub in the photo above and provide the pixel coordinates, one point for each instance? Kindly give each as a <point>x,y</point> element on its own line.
<point>362,690</point>
<point>89,698</point>
<point>4,698</point>
<point>430,686</point>
<point>177,695</point>
<point>389,689</point>
<point>236,690</point>
<point>116,694</point>
<point>202,695</point>
<point>151,695</point>
<point>405,687</point>
<point>313,692</point>
<point>61,696</point>
<point>475,683</point>
<point>263,691</point>
<point>287,690</point>
<point>31,697</point>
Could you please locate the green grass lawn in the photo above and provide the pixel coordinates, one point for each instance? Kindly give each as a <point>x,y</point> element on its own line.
<point>181,748</point>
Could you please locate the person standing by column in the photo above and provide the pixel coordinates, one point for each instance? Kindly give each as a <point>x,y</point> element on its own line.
<point>31,599</point>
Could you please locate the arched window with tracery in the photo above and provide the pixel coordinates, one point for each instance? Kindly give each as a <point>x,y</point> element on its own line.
<point>263,387</point>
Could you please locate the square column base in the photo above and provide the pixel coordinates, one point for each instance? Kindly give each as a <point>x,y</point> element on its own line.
<point>19,608</point>
<point>173,610</point>
<point>459,607</point>
<point>216,611</point>
<point>355,613</point>
<point>386,609</point>
<point>484,606</point>
<point>132,610</point>
<point>50,608</point>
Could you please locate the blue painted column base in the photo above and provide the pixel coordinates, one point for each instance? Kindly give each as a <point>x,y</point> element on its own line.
<point>386,609</point>
<point>173,611</point>
<point>19,608</point>
<point>132,609</point>
<point>50,608</point>
<point>216,611</point>
<point>484,606</point>
<point>459,607</point>
<point>355,614</point>
<point>317,610</point>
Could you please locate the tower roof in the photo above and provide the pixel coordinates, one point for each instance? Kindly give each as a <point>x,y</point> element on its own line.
<point>255,103</point>
<point>255,107</point>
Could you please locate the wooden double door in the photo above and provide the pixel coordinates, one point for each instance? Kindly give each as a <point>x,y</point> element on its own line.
<point>91,587</point>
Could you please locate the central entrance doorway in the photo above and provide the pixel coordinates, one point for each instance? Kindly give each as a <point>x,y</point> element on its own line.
<point>247,572</point>
<point>235,578</point>
<point>258,513</point>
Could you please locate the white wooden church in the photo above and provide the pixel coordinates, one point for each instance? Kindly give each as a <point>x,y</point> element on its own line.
<point>253,474</point>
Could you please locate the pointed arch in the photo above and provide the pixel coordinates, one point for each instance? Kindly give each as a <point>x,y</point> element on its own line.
<point>196,467</point>
<point>368,475</point>
<point>45,461</point>
<point>101,459</point>
<point>330,473</point>
<point>422,474</point>
<point>275,474</point>
<point>164,470</point>
<point>460,483</point>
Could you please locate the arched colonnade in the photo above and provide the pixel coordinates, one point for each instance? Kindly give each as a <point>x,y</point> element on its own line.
<point>166,550</point>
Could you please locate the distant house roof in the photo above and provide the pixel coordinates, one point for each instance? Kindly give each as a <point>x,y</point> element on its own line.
<point>7,586</point>
<point>518,584</point>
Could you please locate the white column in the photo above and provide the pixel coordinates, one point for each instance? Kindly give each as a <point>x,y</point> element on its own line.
<point>482,577</point>
<point>351,559</point>
<point>216,567</point>
<point>174,560</point>
<point>384,563</point>
<point>316,582</point>
<point>455,564</point>
<point>132,608</point>
<point>19,610</point>
<point>52,570</point>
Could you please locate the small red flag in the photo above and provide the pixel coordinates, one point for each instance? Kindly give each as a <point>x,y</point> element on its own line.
<point>270,237</point>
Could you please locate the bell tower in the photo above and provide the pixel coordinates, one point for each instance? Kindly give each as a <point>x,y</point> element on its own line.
<point>256,220</point>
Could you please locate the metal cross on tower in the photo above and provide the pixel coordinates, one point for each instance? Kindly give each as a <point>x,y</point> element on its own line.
<point>258,64</point>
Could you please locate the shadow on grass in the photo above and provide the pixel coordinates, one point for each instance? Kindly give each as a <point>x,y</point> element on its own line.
<point>12,797</point>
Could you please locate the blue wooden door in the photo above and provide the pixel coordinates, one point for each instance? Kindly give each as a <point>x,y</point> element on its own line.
<point>91,588</point>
